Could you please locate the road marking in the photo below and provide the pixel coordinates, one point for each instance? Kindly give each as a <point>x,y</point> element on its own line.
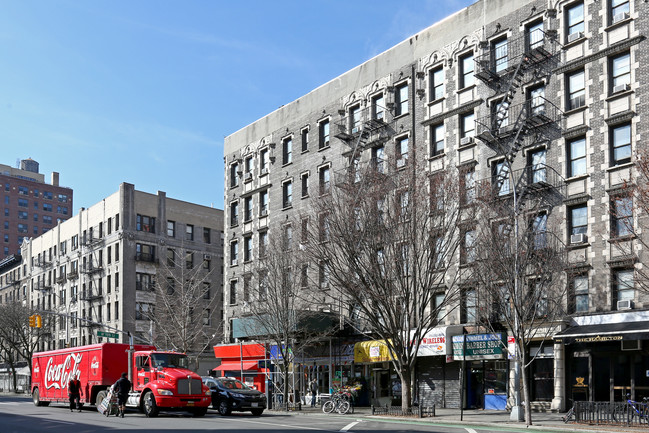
<point>283,425</point>
<point>470,430</point>
<point>350,425</point>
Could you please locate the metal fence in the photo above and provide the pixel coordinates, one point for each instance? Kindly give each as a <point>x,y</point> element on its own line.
<point>617,413</point>
<point>421,411</point>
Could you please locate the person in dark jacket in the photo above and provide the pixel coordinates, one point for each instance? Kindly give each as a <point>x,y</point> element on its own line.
<point>74,393</point>
<point>122,387</point>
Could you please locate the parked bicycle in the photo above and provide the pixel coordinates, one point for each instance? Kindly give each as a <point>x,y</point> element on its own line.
<point>340,402</point>
<point>569,416</point>
<point>633,412</point>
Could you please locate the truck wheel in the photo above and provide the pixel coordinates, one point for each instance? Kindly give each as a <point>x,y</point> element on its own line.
<point>101,395</point>
<point>224,408</point>
<point>37,400</point>
<point>148,404</point>
<point>257,412</point>
<point>199,411</point>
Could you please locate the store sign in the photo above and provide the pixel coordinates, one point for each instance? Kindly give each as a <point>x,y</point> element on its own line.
<point>478,346</point>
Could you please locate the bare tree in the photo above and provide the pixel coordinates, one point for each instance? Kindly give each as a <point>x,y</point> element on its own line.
<point>384,242</point>
<point>518,269</point>
<point>282,307</point>
<point>183,303</point>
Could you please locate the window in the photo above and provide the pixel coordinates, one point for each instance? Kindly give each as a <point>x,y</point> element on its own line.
<point>499,50</point>
<point>189,260</point>
<point>207,291</point>
<point>247,209</point>
<point>323,132</point>
<point>436,77</point>
<point>539,231</point>
<point>145,224</point>
<point>469,306</point>
<point>47,195</point>
<point>499,114</point>
<point>468,252</point>
<point>247,248</point>
<point>501,181</point>
<point>305,184</point>
<point>47,219</point>
<point>355,119</point>
<point>263,243</point>
<point>576,90</point>
<point>263,161</point>
<point>619,10</point>
<point>578,220</point>
<point>287,151</point>
<point>263,203</point>
<point>577,157</point>
<point>207,235</point>
<point>466,71</point>
<point>234,253</point>
<point>117,252</point>
<point>171,229</point>
<point>117,222</point>
<point>437,133</point>
<point>378,159</point>
<point>233,292</point>
<point>620,144</point>
<point>248,166</point>
<point>287,194</point>
<point>144,252</point>
<point>535,35</point>
<point>579,293</point>
<point>325,180</point>
<point>378,107</point>
<point>622,216</point>
<point>536,161</point>
<point>575,21</point>
<point>620,69</point>
<point>623,285</point>
<point>234,213</point>
<point>536,98</point>
<point>467,183</point>
<point>22,228</point>
<point>22,215</point>
<point>189,232</point>
<point>234,174</point>
<point>23,190</point>
<point>401,151</point>
<point>323,224</point>
<point>401,99</point>
<point>171,257</point>
<point>288,237</point>
<point>467,125</point>
<point>24,203</point>
<point>109,254</point>
<point>305,139</point>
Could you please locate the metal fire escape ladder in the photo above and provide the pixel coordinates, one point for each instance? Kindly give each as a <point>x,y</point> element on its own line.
<point>513,86</point>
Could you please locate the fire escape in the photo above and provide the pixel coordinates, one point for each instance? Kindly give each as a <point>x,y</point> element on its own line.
<point>508,67</point>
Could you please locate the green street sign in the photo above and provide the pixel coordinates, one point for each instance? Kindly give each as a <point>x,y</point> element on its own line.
<point>107,334</point>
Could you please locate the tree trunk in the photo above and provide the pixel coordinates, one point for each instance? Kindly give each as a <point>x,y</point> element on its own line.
<point>526,393</point>
<point>405,390</point>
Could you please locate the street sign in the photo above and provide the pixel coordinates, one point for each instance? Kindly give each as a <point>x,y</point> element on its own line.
<point>107,334</point>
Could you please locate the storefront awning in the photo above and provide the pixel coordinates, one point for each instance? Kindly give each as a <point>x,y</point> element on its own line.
<point>236,366</point>
<point>371,351</point>
<point>604,332</point>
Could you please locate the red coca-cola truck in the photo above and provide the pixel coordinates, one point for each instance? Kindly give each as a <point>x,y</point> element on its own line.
<point>161,380</point>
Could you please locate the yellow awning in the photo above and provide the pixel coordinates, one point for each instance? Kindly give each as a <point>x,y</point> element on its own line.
<point>371,351</point>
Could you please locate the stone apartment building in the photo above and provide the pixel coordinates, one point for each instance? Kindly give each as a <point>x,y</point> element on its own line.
<point>98,270</point>
<point>30,205</point>
<point>562,82</point>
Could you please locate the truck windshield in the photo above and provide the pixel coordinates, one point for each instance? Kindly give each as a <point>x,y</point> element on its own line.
<point>169,360</point>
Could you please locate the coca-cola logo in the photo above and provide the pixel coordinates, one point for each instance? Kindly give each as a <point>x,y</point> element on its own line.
<point>94,366</point>
<point>58,375</point>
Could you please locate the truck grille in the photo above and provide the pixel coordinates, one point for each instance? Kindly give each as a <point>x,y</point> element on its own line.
<point>189,386</point>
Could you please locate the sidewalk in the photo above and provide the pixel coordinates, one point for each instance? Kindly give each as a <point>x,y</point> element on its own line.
<point>543,421</point>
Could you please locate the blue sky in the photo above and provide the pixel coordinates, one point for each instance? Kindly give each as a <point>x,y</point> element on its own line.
<point>144,91</point>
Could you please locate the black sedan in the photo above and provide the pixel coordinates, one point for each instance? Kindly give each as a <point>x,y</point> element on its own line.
<point>232,395</point>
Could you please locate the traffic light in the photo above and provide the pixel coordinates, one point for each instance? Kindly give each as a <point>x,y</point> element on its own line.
<point>32,320</point>
<point>39,321</point>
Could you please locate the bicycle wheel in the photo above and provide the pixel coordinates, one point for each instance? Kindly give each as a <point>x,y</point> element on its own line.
<point>343,407</point>
<point>328,406</point>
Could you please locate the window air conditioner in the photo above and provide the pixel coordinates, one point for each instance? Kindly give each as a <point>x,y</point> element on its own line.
<point>621,88</point>
<point>579,238</point>
<point>264,171</point>
<point>575,36</point>
<point>466,140</point>
<point>401,162</point>
<point>233,262</point>
<point>355,129</point>
<point>207,257</point>
<point>625,305</point>
<point>263,212</point>
<point>620,17</point>
<point>248,176</point>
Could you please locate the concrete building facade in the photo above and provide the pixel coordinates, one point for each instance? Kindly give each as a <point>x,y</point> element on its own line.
<point>564,82</point>
<point>103,269</point>
<point>31,206</point>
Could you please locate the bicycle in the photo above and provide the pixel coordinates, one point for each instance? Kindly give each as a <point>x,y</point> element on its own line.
<point>639,410</point>
<point>569,416</point>
<point>339,402</point>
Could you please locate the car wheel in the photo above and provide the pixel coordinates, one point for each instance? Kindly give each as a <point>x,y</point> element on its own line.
<point>224,408</point>
<point>149,405</point>
<point>257,412</point>
<point>101,395</point>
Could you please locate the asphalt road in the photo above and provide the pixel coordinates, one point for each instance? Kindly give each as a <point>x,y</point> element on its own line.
<point>19,415</point>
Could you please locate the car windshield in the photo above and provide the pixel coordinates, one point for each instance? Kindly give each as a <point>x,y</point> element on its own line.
<point>233,384</point>
<point>169,360</point>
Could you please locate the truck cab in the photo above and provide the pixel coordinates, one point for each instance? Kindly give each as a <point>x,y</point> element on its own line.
<point>162,380</point>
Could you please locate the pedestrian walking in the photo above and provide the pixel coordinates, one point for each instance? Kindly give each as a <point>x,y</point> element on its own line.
<point>313,387</point>
<point>74,392</point>
<point>122,388</point>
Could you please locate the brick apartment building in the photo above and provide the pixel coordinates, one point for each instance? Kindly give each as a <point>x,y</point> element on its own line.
<point>565,77</point>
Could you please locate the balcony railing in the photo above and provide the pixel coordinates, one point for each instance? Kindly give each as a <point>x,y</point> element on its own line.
<point>145,257</point>
<point>374,125</point>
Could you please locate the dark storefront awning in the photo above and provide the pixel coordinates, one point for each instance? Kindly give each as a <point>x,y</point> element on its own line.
<point>604,332</point>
